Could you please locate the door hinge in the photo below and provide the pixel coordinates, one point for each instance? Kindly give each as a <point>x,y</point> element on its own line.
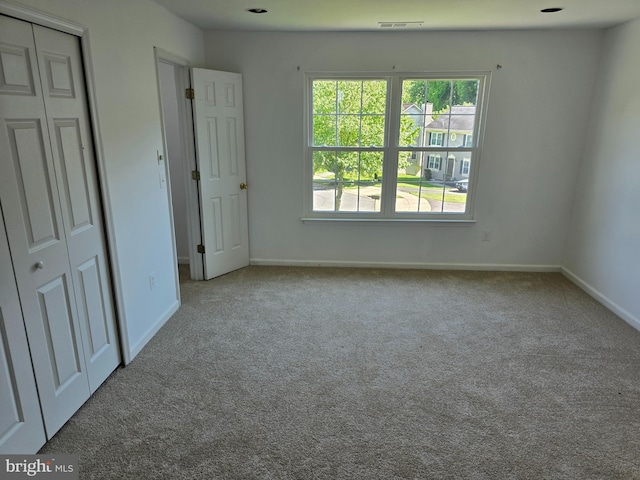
<point>189,93</point>
<point>200,248</point>
<point>195,174</point>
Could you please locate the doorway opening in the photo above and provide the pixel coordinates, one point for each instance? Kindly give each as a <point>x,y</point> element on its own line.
<point>177,122</point>
<point>203,131</point>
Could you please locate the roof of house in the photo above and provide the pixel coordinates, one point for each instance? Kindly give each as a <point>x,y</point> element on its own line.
<point>407,106</point>
<point>457,119</point>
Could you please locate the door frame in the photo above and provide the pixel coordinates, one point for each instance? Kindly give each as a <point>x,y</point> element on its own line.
<point>183,81</point>
<point>44,19</point>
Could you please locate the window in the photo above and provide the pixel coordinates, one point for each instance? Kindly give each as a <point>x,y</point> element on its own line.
<point>464,166</point>
<point>436,138</point>
<point>371,158</point>
<point>434,162</point>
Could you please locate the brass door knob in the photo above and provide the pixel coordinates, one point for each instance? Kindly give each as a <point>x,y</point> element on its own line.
<point>243,186</point>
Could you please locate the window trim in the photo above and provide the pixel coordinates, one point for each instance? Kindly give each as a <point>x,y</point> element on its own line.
<point>440,136</point>
<point>465,166</point>
<point>435,157</point>
<point>391,148</point>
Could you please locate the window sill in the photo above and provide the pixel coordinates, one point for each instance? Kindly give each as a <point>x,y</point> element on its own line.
<point>448,222</point>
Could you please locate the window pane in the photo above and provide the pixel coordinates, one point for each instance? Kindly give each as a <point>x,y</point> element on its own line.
<point>427,105</point>
<point>414,92</point>
<point>348,130</point>
<point>324,96</point>
<point>372,133</point>
<point>347,181</point>
<point>433,183</point>
<point>324,130</point>
<point>374,97</point>
<point>350,96</point>
<point>465,92</point>
<point>324,187</point>
<point>411,128</point>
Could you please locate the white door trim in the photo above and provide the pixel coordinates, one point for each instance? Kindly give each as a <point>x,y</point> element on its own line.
<point>183,82</point>
<point>45,19</point>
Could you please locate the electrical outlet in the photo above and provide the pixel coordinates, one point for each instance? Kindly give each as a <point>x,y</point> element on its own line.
<point>152,281</point>
<point>486,235</point>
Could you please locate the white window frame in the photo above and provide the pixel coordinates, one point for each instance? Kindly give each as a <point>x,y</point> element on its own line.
<point>465,166</point>
<point>391,149</point>
<point>440,139</point>
<point>432,159</point>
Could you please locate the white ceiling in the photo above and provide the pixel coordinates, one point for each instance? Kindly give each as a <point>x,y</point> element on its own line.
<point>362,15</point>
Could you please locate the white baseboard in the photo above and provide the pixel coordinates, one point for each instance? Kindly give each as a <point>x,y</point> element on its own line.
<point>137,348</point>
<point>409,265</point>
<point>183,260</point>
<point>603,299</point>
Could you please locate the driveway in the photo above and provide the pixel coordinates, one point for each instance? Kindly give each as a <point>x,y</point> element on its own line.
<point>367,199</point>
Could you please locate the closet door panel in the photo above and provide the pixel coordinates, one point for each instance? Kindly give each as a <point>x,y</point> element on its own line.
<point>59,57</point>
<point>31,173</point>
<point>17,59</point>
<point>73,176</point>
<point>59,334</point>
<point>34,219</point>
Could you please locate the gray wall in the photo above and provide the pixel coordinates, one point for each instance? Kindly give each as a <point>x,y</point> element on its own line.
<point>536,125</point>
<point>603,248</point>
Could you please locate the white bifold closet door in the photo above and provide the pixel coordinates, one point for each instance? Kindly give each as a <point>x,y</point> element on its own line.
<point>21,428</point>
<point>50,199</point>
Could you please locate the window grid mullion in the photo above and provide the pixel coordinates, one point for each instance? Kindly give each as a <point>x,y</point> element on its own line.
<point>337,136</point>
<point>360,116</point>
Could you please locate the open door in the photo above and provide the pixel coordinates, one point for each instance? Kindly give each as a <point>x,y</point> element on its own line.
<point>219,135</point>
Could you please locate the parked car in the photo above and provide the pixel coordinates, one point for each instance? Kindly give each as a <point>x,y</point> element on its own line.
<point>463,185</point>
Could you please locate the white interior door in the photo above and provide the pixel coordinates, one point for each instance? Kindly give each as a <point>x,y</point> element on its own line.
<point>21,428</point>
<point>219,131</point>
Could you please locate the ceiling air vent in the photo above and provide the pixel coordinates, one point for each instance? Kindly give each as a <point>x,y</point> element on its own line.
<point>399,24</point>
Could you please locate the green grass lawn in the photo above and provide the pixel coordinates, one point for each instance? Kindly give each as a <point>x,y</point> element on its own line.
<point>430,191</point>
<point>413,181</point>
<point>449,197</point>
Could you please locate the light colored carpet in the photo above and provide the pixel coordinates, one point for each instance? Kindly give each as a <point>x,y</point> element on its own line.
<point>310,373</point>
